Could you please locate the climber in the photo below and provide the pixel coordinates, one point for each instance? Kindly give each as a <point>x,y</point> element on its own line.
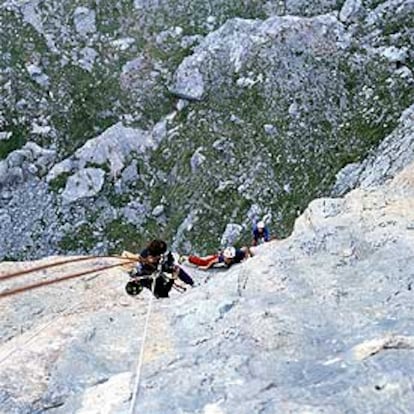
<point>229,256</point>
<point>260,234</point>
<point>156,263</point>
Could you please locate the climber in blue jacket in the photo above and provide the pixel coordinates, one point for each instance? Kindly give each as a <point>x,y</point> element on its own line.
<point>260,234</point>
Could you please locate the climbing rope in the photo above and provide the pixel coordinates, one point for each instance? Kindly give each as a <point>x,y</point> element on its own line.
<point>72,276</point>
<point>32,286</point>
<point>59,263</point>
<point>132,409</point>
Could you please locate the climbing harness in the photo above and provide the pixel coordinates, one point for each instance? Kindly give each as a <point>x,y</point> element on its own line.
<point>135,286</point>
<point>161,279</point>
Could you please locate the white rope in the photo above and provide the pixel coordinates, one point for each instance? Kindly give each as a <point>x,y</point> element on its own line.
<point>132,409</point>
<point>38,332</point>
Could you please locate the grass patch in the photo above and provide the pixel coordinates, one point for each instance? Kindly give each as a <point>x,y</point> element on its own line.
<point>82,238</point>
<point>59,182</point>
<point>123,236</point>
<point>16,141</point>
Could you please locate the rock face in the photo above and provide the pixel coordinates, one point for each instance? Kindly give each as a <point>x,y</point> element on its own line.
<point>183,119</point>
<point>111,149</point>
<point>123,121</point>
<point>86,183</point>
<point>394,153</point>
<point>318,322</point>
<point>30,160</point>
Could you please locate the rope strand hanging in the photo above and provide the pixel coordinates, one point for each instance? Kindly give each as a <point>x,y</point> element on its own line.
<point>60,263</point>
<point>26,288</point>
<point>132,409</point>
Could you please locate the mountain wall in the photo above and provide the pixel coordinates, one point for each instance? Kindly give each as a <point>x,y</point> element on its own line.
<point>320,322</point>
<point>125,121</point>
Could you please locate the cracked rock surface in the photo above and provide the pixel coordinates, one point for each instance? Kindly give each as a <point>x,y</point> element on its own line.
<point>318,322</point>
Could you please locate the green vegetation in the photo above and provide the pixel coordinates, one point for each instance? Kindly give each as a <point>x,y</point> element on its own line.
<point>16,141</point>
<point>59,182</point>
<point>84,113</point>
<point>123,236</point>
<point>83,238</point>
<point>192,15</point>
<point>114,18</point>
<point>372,4</point>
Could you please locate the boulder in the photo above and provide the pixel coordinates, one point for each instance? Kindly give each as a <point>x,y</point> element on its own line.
<point>85,183</point>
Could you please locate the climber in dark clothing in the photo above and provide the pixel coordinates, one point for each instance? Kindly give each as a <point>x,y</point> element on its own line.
<point>150,257</point>
<point>158,265</point>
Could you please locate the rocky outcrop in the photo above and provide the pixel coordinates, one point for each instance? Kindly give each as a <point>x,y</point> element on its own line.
<point>266,92</point>
<point>393,154</point>
<point>31,160</point>
<point>85,183</point>
<point>229,50</point>
<point>351,11</point>
<point>111,149</point>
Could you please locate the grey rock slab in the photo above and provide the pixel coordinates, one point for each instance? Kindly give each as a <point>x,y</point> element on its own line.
<point>85,183</point>
<point>189,83</point>
<point>307,329</point>
<point>112,148</point>
<point>37,75</point>
<point>231,234</point>
<point>392,155</point>
<point>351,11</point>
<point>197,159</point>
<point>84,20</point>
<point>158,210</point>
<point>30,159</point>
<point>394,54</point>
<point>135,212</point>
<point>87,57</point>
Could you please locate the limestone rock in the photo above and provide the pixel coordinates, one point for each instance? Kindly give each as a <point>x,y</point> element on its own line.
<point>231,234</point>
<point>37,75</point>
<point>351,11</point>
<point>84,19</point>
<point>394,153</point>
<point>158,210</point>
<point>189,83</point>
<point>279,96</point>
<point>112,148</point>
<point>197,159</point>
<point>85,183</point>
<point>306,324</point>
<point>31,159</point>
<point>5,135</point>
<point>135,212</point>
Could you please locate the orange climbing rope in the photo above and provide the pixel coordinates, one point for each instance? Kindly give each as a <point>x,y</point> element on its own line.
<point>27,287</point>
<point>60,263</point>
